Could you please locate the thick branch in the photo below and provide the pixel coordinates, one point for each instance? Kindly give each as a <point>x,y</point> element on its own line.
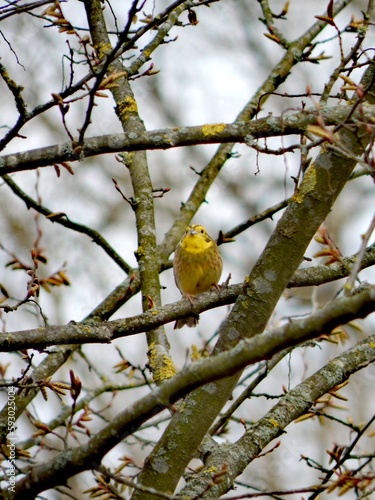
<point>322,183</point>
<point>82,333</point>
<point>207,176</point>
<point>216,133</point>
<point>232,459</point>
<point>71,462</point>
<point>88,333</point>
<point>147,257</point>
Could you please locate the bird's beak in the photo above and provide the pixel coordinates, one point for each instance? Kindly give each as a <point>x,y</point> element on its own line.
<point>193,231</point>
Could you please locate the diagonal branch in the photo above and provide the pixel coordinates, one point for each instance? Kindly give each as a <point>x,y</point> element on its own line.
<point>319,189</point>
<point>63,220</point>
<point>294,404</point>
<point>71,462</point>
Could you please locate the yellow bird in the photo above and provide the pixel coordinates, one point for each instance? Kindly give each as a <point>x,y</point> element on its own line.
<point>197,266</point>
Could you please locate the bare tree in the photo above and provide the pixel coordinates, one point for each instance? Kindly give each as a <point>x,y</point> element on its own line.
<point>105,163</point>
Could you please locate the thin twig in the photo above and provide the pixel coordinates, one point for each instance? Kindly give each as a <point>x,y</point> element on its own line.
<point>63,220</point>
<point>348,289</point>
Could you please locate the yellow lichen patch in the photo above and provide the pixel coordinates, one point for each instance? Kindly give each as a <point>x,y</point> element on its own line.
<point>308,185</point>
<point>103,49</point>
<point>86,329</point>
<point>213,469</point>
<point>127,158</point>
<point>216,128</point>
<point>127,106</point>
<point>161,366</point>
<point>168,370</point>
<point>275,423</point>
<point>195,353</point>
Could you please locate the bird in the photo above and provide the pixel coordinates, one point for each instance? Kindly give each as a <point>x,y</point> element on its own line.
<point>197,266</point>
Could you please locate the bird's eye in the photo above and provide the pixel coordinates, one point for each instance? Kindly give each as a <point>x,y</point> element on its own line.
<point>202,231</point>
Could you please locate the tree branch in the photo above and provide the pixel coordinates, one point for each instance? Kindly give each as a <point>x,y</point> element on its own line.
<point>147,257</point>
<point>91,332</point>
<point>215,133</point>
<point>63,220</point>
<point>322,183</point>
<point>232,459</point>
<point>71,462</point>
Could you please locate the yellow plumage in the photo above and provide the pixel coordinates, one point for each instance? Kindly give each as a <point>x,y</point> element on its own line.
<point>197,266</point>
